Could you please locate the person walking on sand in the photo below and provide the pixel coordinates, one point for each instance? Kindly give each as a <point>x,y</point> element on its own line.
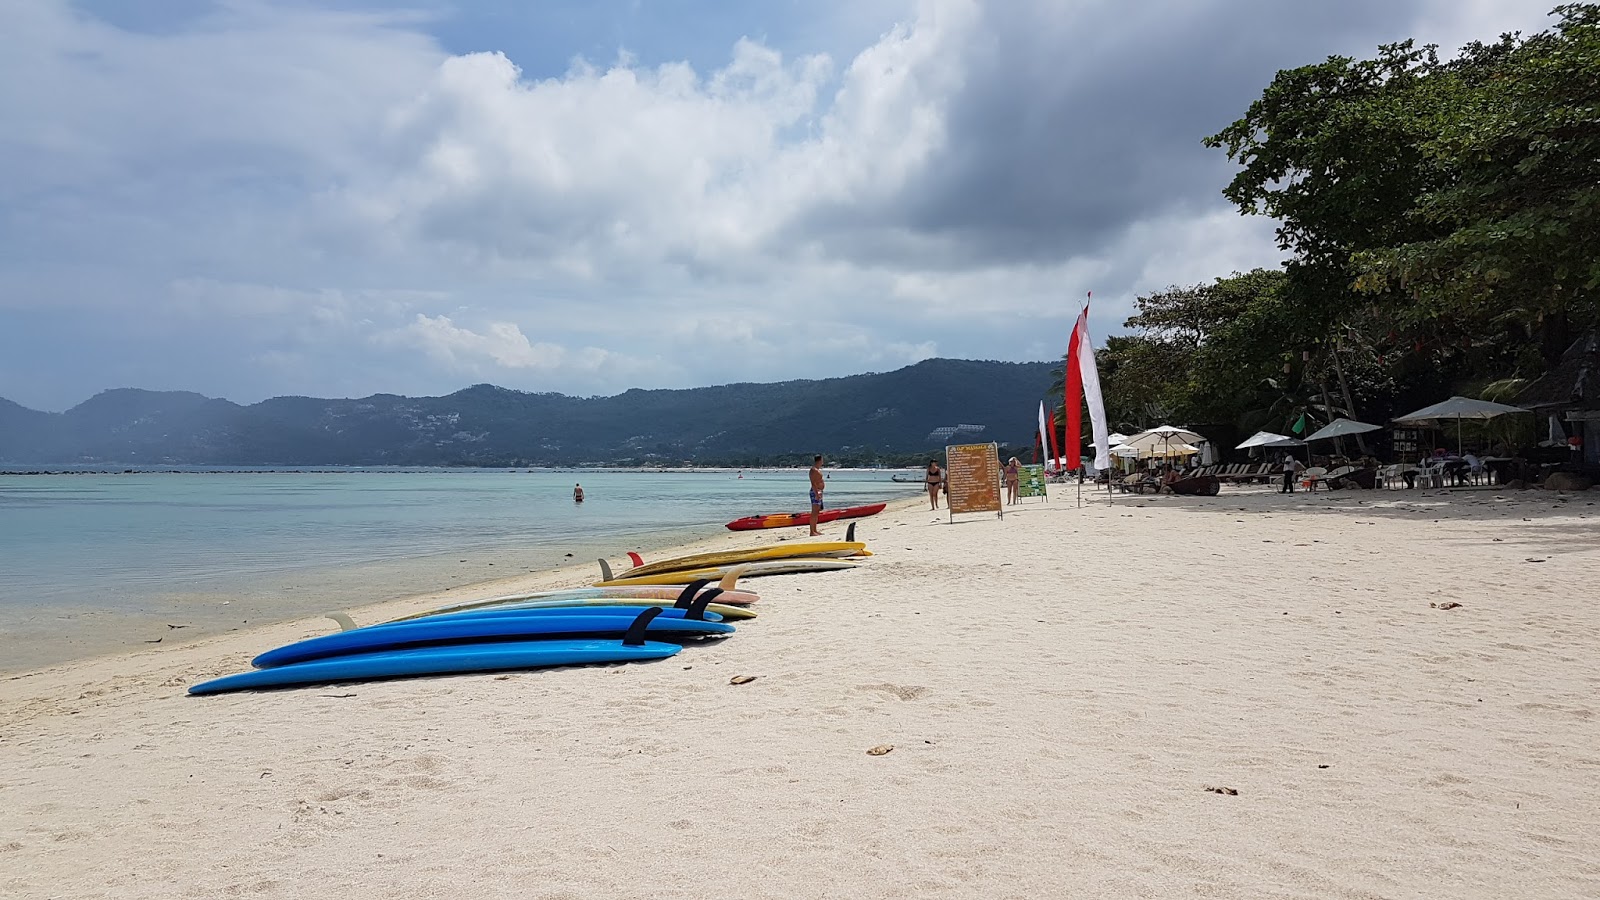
<point>577,493</point>
<point>1013,481</point>
<point>817,487</point>
<point>935,480</point>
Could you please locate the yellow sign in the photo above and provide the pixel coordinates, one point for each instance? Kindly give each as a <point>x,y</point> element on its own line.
<point>973,475</point>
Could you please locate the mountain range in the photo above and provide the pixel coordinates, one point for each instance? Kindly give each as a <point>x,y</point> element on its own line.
<point>875,417</point>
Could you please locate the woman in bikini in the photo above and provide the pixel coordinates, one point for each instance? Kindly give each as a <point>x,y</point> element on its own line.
<point>935,480</point>
<point>1013,481</point>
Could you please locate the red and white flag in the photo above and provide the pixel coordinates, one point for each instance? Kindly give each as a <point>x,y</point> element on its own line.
<point>1083,380</point>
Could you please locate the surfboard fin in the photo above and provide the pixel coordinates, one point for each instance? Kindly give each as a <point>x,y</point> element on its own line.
<point>345,622</point>
<point>605,571</point>
<point>689,590</point>
<point>697,609</point>
<point>635,558</point>
<point>731,579</point>
<point>635,634</point>
<point>850,533</point>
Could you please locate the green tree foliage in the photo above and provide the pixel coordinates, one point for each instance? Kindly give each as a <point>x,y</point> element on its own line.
<point>1440,217</point>
<point>1441,214</point>
<point>1512,230</point>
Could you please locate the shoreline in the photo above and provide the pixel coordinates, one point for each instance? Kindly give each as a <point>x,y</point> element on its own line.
<point>1364,694</point>
<point>574,574</point>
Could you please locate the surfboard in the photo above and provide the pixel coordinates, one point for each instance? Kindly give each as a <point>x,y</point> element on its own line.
<point>596,604</point>
<point>461,628</point>
<point>447,659</point>
<point>621,594</point>
<point>742,570</point>
<point>748,554</point>
<point>609,609</point>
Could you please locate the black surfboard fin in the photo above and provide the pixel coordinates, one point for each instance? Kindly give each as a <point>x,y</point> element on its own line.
<point>850,533</point>
<point>689,590</point>
<point>605,571</point>
<point>697,609</point>
<point>635,634</point>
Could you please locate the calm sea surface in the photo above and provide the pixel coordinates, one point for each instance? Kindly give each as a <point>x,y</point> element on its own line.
<point>91,563</point>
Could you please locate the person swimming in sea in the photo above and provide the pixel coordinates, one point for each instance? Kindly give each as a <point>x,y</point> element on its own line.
<point>577,493</point>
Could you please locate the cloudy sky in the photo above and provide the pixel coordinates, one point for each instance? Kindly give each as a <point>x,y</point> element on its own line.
<point>249,198</point>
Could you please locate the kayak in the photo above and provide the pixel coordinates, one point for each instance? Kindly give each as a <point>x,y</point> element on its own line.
<point>785,520</point>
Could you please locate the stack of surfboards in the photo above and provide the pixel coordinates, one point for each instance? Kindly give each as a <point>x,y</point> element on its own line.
<point>554,628</point>
<point>639,615</point>
<point>731,565</point>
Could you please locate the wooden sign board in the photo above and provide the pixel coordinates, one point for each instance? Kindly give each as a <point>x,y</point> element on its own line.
<point>972,472</point>
<point>1031,482</point>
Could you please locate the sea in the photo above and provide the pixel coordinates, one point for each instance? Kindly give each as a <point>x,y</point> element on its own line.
<point>98,562</point>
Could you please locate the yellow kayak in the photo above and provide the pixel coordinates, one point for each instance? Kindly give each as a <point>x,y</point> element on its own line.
<point>749,554</point>
<point>730,574</point>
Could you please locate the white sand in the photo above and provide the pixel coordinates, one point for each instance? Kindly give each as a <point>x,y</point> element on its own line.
<point>1059,687</point>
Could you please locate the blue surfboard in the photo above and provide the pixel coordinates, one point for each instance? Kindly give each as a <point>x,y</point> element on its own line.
<point>457,629</point>
<point>441,660</point>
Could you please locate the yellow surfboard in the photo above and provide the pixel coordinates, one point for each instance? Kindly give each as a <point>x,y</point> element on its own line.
<point>732,573</point>
<point>749,554</point>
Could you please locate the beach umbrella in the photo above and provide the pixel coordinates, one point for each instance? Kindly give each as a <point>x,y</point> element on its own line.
<point>1268,439</point>
<point>1162,437</point>
<point>1341,428</point>
<point>1457,408</point>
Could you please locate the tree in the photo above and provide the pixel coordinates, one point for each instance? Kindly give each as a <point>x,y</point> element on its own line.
<point>1512,230</point>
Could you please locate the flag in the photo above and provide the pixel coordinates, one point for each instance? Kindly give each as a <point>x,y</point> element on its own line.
<point>1300,425</point>
<point>1083,388</point>
<point>1055,448</point>
<point>1044,443</point>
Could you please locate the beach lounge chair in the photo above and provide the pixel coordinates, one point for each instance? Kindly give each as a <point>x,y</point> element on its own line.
<point>1197,486</point>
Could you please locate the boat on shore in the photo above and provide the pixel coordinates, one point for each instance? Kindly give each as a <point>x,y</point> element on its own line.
<point>786,520</point>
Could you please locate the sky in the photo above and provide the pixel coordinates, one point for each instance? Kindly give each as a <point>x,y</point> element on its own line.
<point>254,198</point>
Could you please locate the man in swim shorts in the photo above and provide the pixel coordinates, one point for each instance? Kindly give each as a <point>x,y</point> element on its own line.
<point>817,486</point>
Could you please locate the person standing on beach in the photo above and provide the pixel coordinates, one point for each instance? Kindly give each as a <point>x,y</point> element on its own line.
<point>1013,481</point>
<point>817,487</point>
<point>935,480</point>
<point>1291,467</point>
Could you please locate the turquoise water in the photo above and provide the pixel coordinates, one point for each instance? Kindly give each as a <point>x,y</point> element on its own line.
<point>93,563</point>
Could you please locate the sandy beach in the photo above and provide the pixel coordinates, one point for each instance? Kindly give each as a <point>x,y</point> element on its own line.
<point>1251,696</point>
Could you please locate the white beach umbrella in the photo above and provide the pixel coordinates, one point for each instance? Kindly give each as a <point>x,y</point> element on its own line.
<point>1341,428</point>
<point>1458,408</point>
<point>1268,439</point>
<point>1169,433</point>
<point>1161,438</point>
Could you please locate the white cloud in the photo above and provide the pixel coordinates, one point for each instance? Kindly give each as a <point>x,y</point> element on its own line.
<point>501,343</point>
<point>274,196</point>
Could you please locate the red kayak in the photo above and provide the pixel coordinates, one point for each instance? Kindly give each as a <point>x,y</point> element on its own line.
<point>783,520</point>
